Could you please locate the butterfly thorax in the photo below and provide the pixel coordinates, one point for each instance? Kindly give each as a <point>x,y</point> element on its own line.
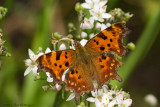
<point>84,59</point>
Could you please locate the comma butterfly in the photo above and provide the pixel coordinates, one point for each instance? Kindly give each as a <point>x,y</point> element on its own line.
<point>94,61</point>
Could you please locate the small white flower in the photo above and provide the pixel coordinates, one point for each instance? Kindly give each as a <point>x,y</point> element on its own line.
<point>83,42</point>
<point>90,99</point>
<point>98,103</point>
<point>105,99</point>
<point>112,103</point>
<point>89,4</point>
<point>31,63</point>
<point>98,25</point>
<point>72,47</point>
<point>88,23</point>
<point>99,13</point>
<point>83,34</point>
<point>48,50</point>
<point>151,99</point>
<point>58,87</point>
<point>109,98</point>
<point>91,35</point>
<point>62,47</point>
<point>49,78</point>
<point>71,97</point>
<point>103,26</point>
<point>127,102</point>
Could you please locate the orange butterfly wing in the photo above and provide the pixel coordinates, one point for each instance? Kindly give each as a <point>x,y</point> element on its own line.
<point>56,63</point>
<point>78,82</point>
<point>106,65</point>
<point>109,39</point>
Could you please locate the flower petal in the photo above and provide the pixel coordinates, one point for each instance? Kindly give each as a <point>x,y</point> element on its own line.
<point>98,103</point>
<point>91,35</point>
<point>102,3</point>
<point>112,103</point>
<point>27,71</point>
<point>31,54</point>
<point>58,87</point>
<point>85,5</point>
<point>90,99</point>
<point>28,62</point>
<point>64,74</point>
<point>83,34</point>
<point>127,102</point>
<point>83,42</point>
<point>49,79</point>
<point>71,97</point>
<point>106,15</point>
<point>62,47</point>
<point>105,99</point>
<point>48,50</point>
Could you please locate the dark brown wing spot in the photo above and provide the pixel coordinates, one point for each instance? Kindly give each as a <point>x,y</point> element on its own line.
<point>109,28</point>
<point>79,77</point>
<point>94,40</point>
<point>111,40</point>
<point>101,35</point>
<point>100,60</point>
<point>76,72</point>
<point>60,66</point>
<point>102,66</point>
<point>72,72</point>
<point>48,55</point>
<point>58,54</point>
<point>113,33</point>
<point>55,64</point>
<point>97,42</point>
<point>66,64</point>
<point>108,45</point>
<point>66,56</point>
<point>103,57</point>
<point>102,48</point>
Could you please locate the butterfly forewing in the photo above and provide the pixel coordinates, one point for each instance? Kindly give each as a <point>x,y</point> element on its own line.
<point>56,63</point>
<point>109,39</point>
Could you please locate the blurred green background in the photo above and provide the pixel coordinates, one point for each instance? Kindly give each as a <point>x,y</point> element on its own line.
<point>30,23</point>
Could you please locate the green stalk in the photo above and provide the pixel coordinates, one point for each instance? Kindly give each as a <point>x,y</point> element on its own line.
<point>32,89</point>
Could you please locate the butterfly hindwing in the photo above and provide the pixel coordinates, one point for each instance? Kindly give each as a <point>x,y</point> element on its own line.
<point>106,65</point>
<point>56,63</point>
<point>109,39</point>
<point>78,82</point>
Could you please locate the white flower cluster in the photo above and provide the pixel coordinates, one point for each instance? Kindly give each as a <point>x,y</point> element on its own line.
<point>97,11</point>
<point>110,98</point>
